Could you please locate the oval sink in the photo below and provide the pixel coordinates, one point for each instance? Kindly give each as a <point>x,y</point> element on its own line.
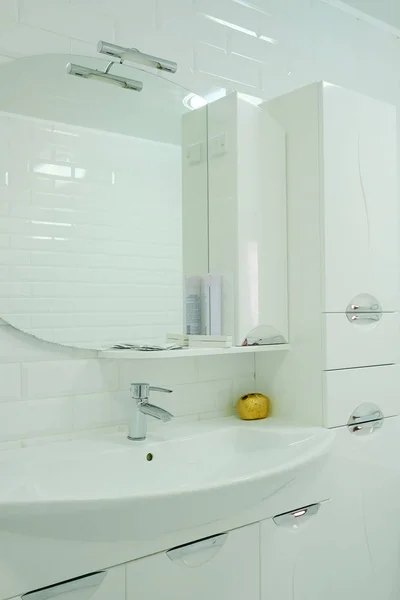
<point>190,475</point>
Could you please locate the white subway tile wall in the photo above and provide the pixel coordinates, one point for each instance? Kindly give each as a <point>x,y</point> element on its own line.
<point>50,392</point>
<point>84,267</point>
<point>259,47</point>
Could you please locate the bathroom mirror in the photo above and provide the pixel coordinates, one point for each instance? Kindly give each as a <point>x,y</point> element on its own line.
<point>91,202</point>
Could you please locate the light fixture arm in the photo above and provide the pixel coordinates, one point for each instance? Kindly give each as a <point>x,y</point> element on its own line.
<point>134,55</point>
<point>109,67</point>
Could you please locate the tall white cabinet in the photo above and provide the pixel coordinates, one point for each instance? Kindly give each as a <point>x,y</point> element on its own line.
<point>343,249</point>
<point>343,273</point>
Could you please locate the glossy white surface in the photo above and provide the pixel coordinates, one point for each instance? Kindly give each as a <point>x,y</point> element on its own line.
<point>247,217</point>
<point>349,549</point>
<point>105,494</point>
<point>359,203</point>
<point>342,242</point>
<point>188,459</point>
<point>360,343</point>
<point>346,389</point>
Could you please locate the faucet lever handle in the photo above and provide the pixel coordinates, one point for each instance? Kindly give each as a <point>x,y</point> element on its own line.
<point>160,389</point>
<point>141,391</point>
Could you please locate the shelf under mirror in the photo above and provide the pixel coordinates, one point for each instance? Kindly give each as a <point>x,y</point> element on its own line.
<point>190,352</point>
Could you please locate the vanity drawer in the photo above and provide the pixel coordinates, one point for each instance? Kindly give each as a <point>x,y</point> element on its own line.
<point>360,343</point>
<point>221,567</point>
<point>345,390</point>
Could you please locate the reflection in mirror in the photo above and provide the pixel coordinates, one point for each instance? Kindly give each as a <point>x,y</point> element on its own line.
<point>90,203</point>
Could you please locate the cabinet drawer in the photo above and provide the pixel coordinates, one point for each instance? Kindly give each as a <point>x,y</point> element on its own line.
<point>317,557</point>
<point>345,390</point>
<point>219,568</point>
<point>360,343</point>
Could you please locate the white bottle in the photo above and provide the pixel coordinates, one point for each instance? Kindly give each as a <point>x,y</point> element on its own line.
<point>193,305</point>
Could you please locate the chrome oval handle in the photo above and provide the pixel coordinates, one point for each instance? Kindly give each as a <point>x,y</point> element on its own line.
<point>290,519</point>
<point>366,419</point>
<point>196,554</point>
<point>366,428</point>
<point>359,420</point>
<point>79,584</point>
<point>364,309</point>
<point>364,317</point>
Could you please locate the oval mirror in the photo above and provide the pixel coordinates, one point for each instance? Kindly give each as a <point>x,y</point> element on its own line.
<point>90,203</point>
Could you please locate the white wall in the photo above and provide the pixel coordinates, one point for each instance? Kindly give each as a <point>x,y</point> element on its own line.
<point>62,390</point>
<point>94,227</point>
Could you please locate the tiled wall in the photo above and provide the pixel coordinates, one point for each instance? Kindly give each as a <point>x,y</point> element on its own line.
<point>86,267</point>
<point>260,47</point>
<point>50,390</point>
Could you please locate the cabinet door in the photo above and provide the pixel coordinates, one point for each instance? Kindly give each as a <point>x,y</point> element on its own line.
<point>105,585</point>
<point>322,555</point>
<point>218,568</point>
<point>376,458</point>
<point>359,211</point>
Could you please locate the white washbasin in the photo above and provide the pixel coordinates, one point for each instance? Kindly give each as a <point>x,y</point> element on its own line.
<point>199,472</point>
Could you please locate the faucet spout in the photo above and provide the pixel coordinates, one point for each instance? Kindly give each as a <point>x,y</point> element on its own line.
<point>155,411</point>
<point>142,407</point>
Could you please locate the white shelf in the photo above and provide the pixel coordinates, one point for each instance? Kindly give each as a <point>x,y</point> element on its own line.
<point>187,352</point>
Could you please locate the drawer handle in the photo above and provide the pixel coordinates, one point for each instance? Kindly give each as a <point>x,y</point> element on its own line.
<point>364,308</point>
<point>292,518</point>
<point>366,419</point>
<point>364,317</point>
<point>72,585</point>
<point>197,553</point>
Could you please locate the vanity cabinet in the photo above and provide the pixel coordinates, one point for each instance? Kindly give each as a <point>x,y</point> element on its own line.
<point>222,567</point>
<point>313,553</point>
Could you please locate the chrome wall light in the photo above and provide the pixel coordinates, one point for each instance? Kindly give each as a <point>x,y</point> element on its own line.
<point>104,76</point>
<point>134,55</point>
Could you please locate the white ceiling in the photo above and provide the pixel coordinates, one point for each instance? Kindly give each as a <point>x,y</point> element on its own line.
<point>387,11</point>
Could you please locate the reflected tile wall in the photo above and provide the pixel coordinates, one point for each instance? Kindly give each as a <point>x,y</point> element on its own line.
<point>85,225</point>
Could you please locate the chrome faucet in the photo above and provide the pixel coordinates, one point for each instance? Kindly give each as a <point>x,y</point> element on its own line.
<point>138,424</point>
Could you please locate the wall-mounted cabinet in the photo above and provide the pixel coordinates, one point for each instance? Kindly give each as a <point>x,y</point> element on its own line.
<point>247,242</point>
<point>342,176</point>
<point>358,177</point>
<point>343,271</point>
